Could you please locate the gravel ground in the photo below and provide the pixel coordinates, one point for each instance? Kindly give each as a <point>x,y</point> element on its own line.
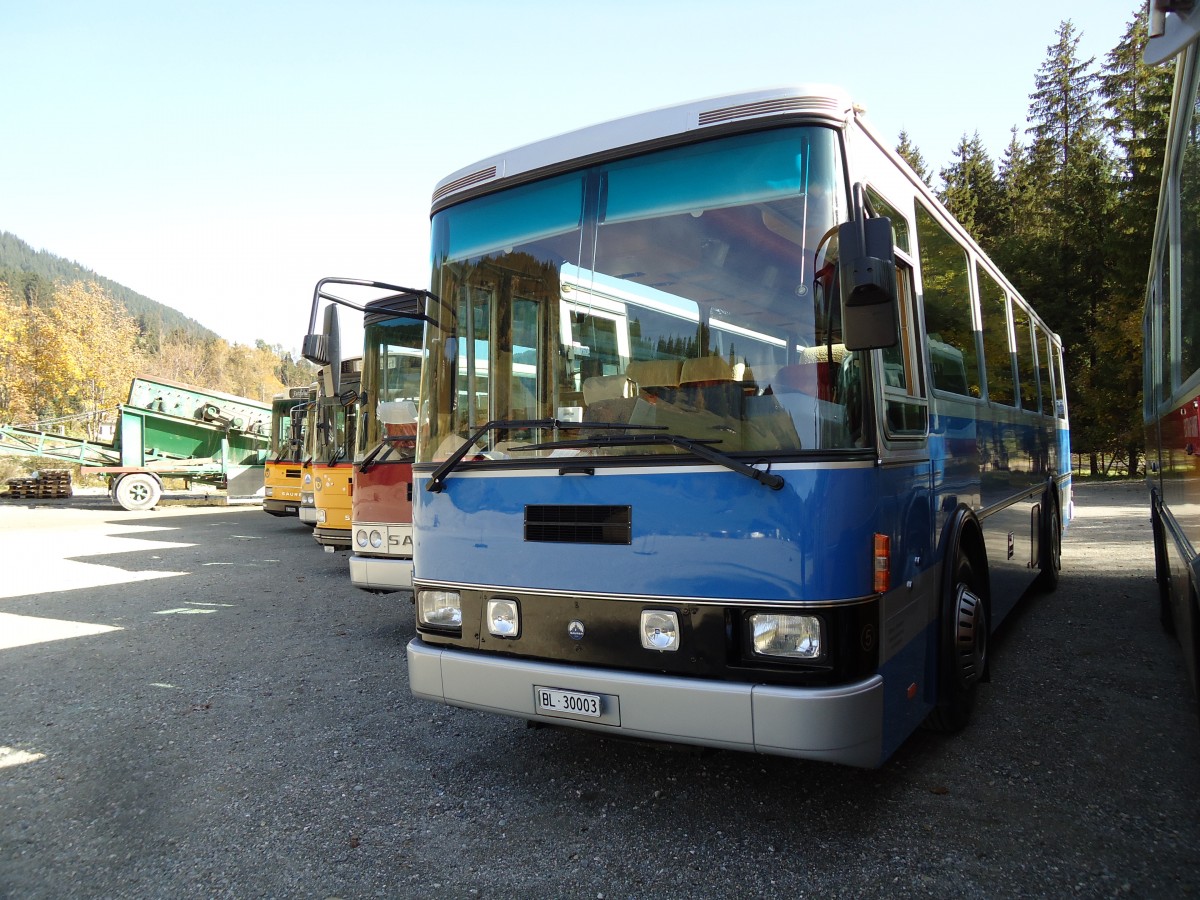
<point>228,717</point>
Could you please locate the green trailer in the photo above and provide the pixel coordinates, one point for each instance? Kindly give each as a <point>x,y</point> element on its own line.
<point>166,430</point>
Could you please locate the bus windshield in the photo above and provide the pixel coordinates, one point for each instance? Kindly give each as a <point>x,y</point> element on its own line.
<point>392,376</point>
<point>690,290</point>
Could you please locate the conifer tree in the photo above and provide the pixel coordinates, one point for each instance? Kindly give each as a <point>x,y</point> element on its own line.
<point>910,154</point>
<point>970,189</point>
<point>1071,169</point>
<point>1136,102</point>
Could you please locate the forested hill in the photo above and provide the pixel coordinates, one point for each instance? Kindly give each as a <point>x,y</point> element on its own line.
<point>31,274</point>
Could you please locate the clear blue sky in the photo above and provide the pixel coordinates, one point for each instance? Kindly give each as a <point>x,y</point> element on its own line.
<point>221,156</point>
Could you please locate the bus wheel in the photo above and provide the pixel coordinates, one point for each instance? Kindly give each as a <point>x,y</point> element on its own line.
<point>1050,548</point>
<point>137,491</point>
<point>964,644</point>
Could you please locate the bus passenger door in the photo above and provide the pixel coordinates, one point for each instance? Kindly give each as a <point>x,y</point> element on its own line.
<point>906,489</point>
<point>904,430</point>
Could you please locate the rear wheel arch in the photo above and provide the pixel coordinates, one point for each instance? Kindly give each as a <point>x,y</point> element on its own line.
<point>964,622</point>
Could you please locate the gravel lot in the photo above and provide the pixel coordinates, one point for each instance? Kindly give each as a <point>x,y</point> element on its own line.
<point>196,703</point>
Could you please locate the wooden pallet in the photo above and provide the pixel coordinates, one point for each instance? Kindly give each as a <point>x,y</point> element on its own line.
<point>52,484</point>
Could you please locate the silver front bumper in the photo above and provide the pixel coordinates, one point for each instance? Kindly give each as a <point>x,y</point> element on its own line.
<point>373,573</point>
<point>840,724</point>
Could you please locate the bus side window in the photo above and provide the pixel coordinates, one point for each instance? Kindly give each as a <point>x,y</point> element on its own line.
<point>903,391</point>
<point>1026,367</point>
<point>1043,364</point>
<point>945,280</point>
<point>997,355</point>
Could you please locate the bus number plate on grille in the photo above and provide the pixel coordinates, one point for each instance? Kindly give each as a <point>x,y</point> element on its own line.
<point>570,704</point>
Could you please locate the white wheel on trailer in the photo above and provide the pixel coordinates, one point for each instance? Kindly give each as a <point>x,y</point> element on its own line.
<point>137,491</point>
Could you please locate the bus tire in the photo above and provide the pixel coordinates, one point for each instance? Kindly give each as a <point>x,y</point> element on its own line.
<point>1050,546</point>
<point>963,648</point>
<point>1162,571</point>
<point>137,491</point>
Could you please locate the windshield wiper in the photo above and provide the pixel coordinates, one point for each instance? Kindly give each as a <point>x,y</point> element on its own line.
<point>437,480</point>
<point>698,446</point>
<point>387,443</point>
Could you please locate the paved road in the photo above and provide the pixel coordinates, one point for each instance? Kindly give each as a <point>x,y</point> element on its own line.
<point>196,703</point>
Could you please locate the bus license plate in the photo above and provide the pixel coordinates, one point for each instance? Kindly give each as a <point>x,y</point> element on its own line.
<point>555,702</point>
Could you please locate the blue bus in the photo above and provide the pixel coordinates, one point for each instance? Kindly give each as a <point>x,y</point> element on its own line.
<point>1171,323</point>
<point>729,436</point>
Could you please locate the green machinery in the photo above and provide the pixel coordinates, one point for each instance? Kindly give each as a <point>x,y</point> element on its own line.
<point>166,430</point>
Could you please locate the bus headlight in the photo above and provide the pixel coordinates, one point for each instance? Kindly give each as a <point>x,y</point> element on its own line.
<point>504,618</point>
<point>320,517</point>
<point>376,539</point>
<point>268,491</point>
<point>660,629</point>
<point>440,609</point>
<point>790,637</point>
<point>360,537</point>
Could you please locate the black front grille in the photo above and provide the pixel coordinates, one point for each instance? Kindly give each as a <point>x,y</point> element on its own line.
<point>572,524</point>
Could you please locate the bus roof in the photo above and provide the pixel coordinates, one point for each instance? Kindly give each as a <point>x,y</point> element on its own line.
<point>809,100</point>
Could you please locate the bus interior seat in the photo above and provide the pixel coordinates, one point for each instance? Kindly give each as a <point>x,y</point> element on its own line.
<point>706,382</point>
<point>606,387</point>
<point>807,391</point>
<point>816,378</point>
<point>658,379</point>
<point>705,371</point>
<point>608,398</point>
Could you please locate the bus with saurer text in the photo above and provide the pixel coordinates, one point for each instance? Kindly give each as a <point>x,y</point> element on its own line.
<point>332,470</point>
<point>283,474</point>
<point>730,435</point>
<point>385,416</point>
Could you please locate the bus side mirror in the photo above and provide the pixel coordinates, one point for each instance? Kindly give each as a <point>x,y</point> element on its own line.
<point>315,349</point>
<point>325,349</point>
<point>867,274</point>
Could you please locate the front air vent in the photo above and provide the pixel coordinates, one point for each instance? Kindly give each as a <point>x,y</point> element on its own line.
<point>572,524</point>
<point>774,107</point>
<point>466,181</point>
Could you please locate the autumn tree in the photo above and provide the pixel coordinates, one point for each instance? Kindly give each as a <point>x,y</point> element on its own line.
<point>84,354</point>
<point>15,360</point>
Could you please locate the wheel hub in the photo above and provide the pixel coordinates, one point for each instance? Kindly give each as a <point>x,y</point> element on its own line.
<point>970,636</point>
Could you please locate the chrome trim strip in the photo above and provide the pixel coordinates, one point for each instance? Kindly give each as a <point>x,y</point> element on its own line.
<point>420,583</point>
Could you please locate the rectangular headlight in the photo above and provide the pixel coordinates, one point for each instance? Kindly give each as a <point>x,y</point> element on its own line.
<point>660,629</point>
<point>504,617</point>
<point>786,636</point>
<point>439,609</point>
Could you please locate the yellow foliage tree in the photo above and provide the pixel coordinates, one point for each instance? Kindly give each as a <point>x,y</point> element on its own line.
<point>85,353</point>
<point>217,365</point>
<point>16,397</point>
